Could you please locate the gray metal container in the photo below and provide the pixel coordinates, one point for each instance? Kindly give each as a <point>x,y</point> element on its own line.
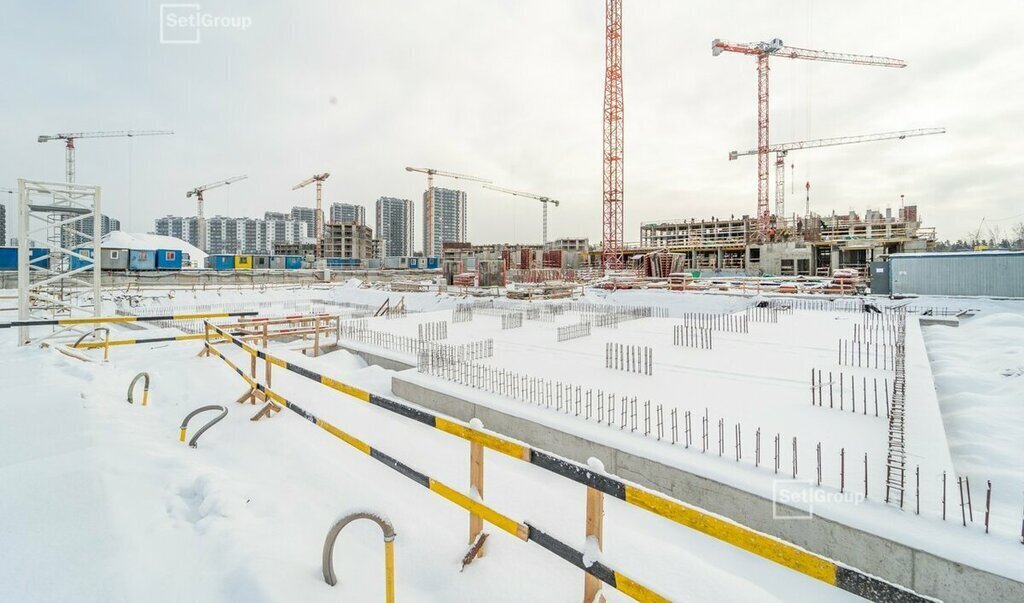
<point>986,273</point>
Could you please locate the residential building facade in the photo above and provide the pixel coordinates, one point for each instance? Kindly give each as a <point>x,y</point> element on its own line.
<point>449,220</point>
<point>395,225</point>
<point>82,231</point>
<point>347,212</point>
<point>348,240</point>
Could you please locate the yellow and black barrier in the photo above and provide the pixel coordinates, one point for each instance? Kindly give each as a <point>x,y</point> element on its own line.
<point>99,344</point>
<point>522,531</point>
<point>112,319</point>
<point>768,547</point>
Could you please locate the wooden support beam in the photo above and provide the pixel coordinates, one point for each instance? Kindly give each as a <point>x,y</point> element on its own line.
<point>476,482</point>
<point>595,528</point>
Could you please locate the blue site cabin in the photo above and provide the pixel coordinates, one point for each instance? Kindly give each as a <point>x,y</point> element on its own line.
<point>168,259</point>
<point>140,259</point>
<point>292,262</point>
<point>220,262</point>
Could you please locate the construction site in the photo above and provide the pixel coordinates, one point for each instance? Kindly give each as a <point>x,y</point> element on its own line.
<point>789,403</point>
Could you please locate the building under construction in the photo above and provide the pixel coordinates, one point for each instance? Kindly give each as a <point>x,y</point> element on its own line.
<point>813,245</point>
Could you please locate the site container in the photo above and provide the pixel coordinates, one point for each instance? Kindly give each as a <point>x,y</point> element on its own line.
<point>413,263</point>
<point>243,262</point>
<point>260,262</point>
<point>276,262</point>
<point>138,259</point>
<point>168,259</point>
<point>9,258</point>
<point>292,262</point>
<point>220,262</point>
<point>433,263</point>
<point>113,259</point>
<point>982,273</point>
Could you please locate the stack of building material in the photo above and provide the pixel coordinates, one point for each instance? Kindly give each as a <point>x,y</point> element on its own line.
<point>464,279</point>
<point>844,282</point>
<point>680,281</point>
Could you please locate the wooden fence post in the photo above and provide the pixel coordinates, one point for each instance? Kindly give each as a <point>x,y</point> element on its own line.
<point>316,337</point>
<point>252,373</point>
<point>206,350</point>
<point>595,528</point>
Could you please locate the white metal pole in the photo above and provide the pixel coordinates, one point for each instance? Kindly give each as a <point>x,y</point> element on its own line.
<point>24,278</point>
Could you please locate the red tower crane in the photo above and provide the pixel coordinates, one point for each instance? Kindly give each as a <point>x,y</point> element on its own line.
<point>611,240</point>
<point>775,48</point>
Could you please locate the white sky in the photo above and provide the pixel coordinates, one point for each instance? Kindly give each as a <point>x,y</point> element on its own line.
<point>512,91</point>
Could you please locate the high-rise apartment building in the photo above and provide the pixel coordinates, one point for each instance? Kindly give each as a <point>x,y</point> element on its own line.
<point>235,235</point>
<point>185,228</point>
<point>395,225</point>
<point>347,212</point>
<point>307,215</point>
<point>3,224</point>
<point>81,232</point>
<point>449,220</point>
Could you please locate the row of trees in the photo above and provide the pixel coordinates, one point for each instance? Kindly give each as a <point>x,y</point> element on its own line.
<point>993,238</point>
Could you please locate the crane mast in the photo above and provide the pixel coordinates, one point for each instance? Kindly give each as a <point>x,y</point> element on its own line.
<point>318,213</point>
<point>614,122</point>
<point>762,51</point>
<point>428,202</point>
<point>544,200</point>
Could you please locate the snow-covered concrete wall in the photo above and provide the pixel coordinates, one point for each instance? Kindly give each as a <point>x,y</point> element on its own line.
<point>908,566</point>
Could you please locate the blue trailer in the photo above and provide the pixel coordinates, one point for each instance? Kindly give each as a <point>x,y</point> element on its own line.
<point>168,259</point>
<point>9,258</point>
<point>414,263</point>
<point>140,259</point>
<point>292,262</point>
<point>220,262</point>
<point>433,263</point>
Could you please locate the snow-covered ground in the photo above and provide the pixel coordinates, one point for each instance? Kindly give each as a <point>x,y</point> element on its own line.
<point>101,502</point>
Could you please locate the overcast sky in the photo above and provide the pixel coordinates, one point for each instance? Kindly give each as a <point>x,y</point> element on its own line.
<point>512,91</point>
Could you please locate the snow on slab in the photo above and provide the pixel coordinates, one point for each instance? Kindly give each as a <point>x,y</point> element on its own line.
<point>103,503</point>
<point>979,376</point>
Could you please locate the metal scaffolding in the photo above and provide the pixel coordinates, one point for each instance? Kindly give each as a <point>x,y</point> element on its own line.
<point>57,276</point>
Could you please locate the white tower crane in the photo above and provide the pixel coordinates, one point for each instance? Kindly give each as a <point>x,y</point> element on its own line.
<point>428,205</point>
<point>70,138</point>
<point>197,192</point>
<point>541,198</point>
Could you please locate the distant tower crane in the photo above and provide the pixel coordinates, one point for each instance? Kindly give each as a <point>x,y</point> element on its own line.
<point>428,204</point>
<point>69,143</point>
<point>764,50</point>
<point>541,198</point>
<point>614,124</point>
<point>781,150</point>
<point>197,192</point>
<point>318,215</point>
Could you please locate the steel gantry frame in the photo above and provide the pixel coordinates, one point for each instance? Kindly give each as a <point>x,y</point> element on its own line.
<point>48,285</point>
